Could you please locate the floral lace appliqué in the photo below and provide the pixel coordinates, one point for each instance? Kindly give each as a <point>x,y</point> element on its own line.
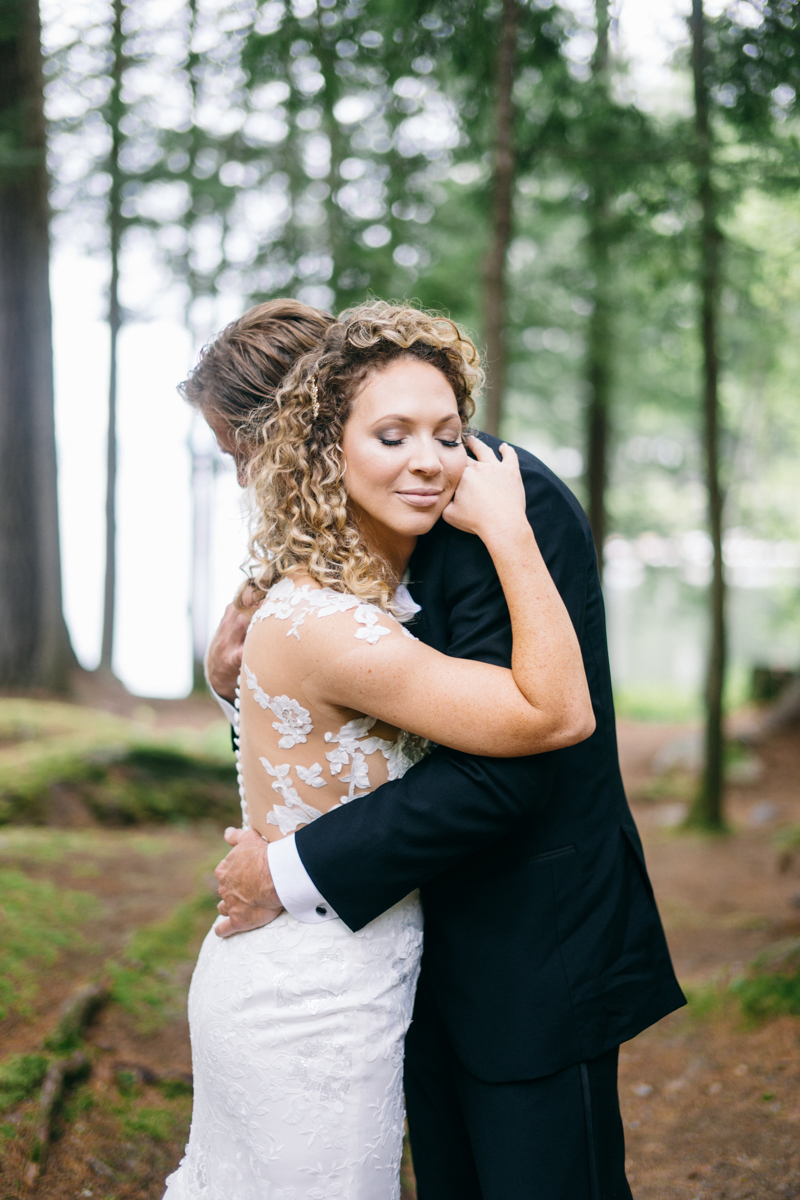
<point>286,601</point>
<point>369,617</point>
<point>294,721</point>
<point>353,746</point>
<point>295,812</point>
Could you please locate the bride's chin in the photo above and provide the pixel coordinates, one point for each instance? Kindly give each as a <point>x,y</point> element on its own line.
<point>417,524</point>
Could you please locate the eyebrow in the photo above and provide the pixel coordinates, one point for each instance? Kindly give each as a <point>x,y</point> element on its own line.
<point>403,420</point>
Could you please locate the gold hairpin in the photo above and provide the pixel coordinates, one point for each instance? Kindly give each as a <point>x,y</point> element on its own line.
<point>314,397</point>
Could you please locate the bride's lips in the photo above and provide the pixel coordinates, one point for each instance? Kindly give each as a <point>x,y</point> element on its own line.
<point>420,498</point>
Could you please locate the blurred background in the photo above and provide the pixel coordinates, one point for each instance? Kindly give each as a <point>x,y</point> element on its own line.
<point>605,194</point>
<point>329,154</point>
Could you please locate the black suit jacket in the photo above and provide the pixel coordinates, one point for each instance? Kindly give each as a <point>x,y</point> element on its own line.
<point>543,944</point>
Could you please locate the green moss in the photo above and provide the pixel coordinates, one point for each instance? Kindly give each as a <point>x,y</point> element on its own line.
<point>788,838</point>
<point>145,983</point>
<point>122,771</point>
<point>156,1123</point>
<point>20,1076</point>
<point>39,922</point>
<point>771,986</point>
<point>774,995</point>
<point>171,1088</point>
<point>127,1083</point>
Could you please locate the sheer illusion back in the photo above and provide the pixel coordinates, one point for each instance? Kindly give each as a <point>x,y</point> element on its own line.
<point>297,1029</point>
<point>298,759</point>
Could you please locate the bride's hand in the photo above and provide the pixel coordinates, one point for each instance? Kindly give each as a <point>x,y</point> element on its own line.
<point>490,499</point>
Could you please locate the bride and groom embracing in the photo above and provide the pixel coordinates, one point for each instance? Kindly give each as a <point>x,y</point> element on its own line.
<point>425,725</point>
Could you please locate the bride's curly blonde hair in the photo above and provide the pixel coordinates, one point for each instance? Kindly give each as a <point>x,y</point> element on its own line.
<point>300,515</point>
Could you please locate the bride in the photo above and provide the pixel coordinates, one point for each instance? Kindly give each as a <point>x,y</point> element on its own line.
<point>298,1029</point>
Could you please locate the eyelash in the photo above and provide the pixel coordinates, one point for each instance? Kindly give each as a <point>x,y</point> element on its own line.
<point>399,442</point>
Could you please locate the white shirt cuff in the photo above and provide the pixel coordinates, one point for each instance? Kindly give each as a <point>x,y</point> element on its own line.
<point>293,884</point>
<point>231,715</point>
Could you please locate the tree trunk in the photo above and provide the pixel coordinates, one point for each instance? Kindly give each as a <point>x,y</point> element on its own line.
<point>114,325</point>
<point>202,462</point>
<point>35,649</point>
<point>707,809</point>
<point>600,332</point>
<point>334,224</point>
<point>496,285</point>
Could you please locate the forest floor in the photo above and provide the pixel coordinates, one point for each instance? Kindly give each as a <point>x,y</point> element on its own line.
<point>711,1103</point>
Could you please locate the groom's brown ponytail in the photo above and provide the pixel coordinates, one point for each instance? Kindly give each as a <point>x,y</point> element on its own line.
<point>241,370</point>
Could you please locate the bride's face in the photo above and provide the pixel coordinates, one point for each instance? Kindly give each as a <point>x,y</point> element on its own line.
<point>403,450</point>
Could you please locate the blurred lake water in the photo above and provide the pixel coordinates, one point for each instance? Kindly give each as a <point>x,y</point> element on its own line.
<point>656,606</point>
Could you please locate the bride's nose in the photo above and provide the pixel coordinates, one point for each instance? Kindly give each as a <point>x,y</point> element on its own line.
<point>424,459</point>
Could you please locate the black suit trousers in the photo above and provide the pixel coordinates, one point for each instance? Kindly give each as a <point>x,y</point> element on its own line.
<point>555,1138</point>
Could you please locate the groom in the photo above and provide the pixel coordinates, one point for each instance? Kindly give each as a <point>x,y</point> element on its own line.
<point>543,946</point>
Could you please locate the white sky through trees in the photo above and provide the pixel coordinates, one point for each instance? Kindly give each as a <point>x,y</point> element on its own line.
<point>153,637</point>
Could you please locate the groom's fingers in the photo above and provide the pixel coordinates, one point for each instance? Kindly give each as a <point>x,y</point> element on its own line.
<point>248,898</point>
<point>228,928</point>
<point>243,924</point>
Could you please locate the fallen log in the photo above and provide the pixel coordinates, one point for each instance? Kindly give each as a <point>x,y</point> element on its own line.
<point>148,1075</point>
<point>76,1015</point>
<point>52,1089</point>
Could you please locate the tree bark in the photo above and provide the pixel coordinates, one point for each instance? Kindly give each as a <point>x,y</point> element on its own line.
<point>496,283</point>
<point>115,113</point>
<point>707,809</point>
<point>600,332</point>
<point>35,649</point>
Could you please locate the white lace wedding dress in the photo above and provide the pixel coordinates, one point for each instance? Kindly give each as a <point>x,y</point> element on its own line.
<point>298,1029</point>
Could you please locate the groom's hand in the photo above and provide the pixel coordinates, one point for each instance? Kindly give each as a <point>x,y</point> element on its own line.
<point>224,657</point>
<point>249,899</point>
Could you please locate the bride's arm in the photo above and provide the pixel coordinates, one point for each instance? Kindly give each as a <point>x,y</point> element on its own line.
<point>546,659</point>
<point>542,703</point>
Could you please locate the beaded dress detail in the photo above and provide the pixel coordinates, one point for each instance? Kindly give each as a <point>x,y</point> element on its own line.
<point>298,1029</point>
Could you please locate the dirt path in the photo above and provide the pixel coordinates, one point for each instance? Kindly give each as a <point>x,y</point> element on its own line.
<point>711,1106</point>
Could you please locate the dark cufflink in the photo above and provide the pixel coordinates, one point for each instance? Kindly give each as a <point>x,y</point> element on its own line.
<point>321,910</point>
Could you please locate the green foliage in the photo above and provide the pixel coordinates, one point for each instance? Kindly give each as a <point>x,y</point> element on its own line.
<point>788,838</point>
<point>145,982</point>
<point>171,1088</point>
<point>770,995</point>
<point>39,922</point>
<point>152,784</point>
<point>20,1076</point>
<point>656,703</point>
<point>156,1123</point>
<point>771,987</point>
<point>328,150</point>
<point>705,1000</point>
<point>123,772</point>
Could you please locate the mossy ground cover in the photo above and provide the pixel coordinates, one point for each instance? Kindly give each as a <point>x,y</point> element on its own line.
<point>129,906</point>
<point>710,1097</point>
<point>63,764</point>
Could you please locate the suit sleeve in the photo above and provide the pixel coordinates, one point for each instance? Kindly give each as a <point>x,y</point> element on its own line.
<point>370,853</point>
